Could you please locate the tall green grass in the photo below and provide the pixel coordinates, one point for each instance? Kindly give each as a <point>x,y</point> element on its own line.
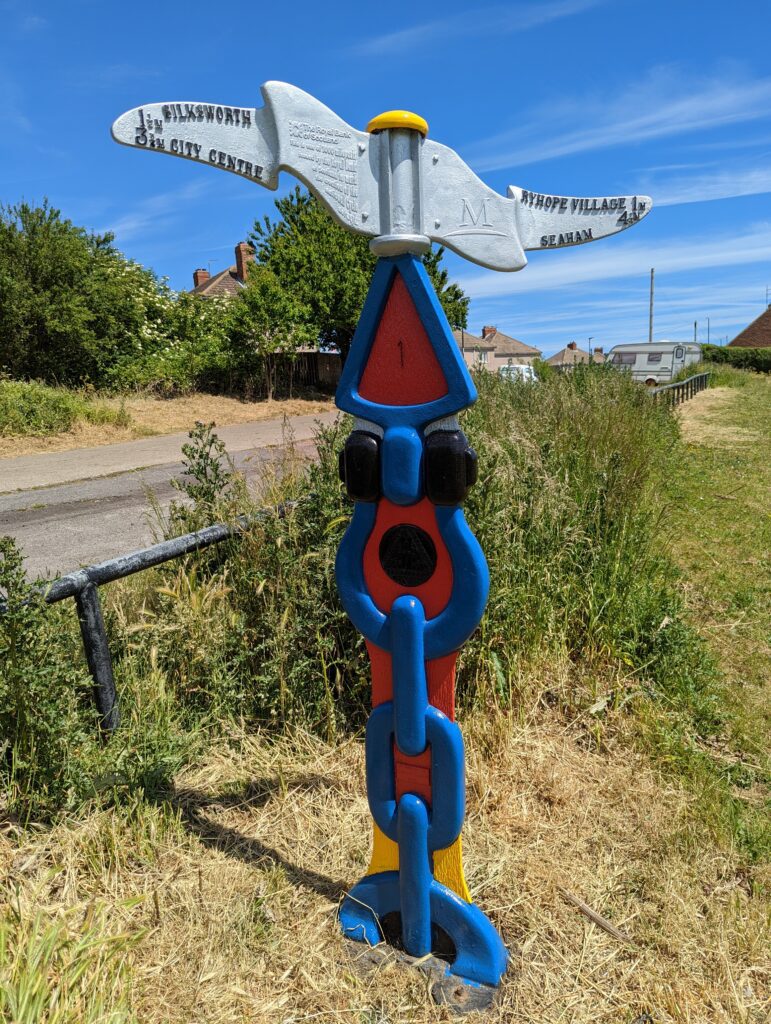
<point>29,408</point>
<point>585,608</point>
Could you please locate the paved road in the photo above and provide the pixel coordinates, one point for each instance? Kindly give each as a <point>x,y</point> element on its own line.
<point>65,510</point>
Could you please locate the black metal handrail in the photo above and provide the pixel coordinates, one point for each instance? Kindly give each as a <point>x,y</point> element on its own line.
<point>83,584</point>
<point>682,390</point>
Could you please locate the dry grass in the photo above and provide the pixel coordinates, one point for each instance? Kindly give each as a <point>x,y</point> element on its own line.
<point>238,881</point>
<point>703,419</point>
<point>162,416</point>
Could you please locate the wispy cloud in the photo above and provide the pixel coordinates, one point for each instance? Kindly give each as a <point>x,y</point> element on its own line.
<point>154,214</point>
<point>112,74</point>
<point>726,183</point>
<point>608,263</point>
<point>498,20</point>
<point>663,104</point>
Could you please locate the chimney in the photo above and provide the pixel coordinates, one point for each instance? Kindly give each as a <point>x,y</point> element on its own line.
<point>244,256</point>
<point>488,330</point>
<point>199,276</point>
<point>572,346</point>
<point>598,352</point>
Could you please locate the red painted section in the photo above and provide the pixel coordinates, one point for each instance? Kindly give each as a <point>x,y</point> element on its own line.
<point>401,367</point>
<point>435,593</point>
<point>413,774</point>
<point>440,674</point>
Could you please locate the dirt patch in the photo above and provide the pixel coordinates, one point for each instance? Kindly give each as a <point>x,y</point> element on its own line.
<point>232,890</point>
<point>702,419</point>
<point>162,416</point>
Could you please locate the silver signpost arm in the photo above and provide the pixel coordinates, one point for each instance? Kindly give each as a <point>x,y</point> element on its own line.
<point>387,184</point>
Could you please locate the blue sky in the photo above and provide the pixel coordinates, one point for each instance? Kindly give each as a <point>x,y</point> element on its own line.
<point>571,97</point>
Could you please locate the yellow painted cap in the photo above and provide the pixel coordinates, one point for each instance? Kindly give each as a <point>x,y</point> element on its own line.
<point>398,119</point>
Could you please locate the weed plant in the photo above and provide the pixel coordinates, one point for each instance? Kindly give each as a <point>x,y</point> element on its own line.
<point>31,408</point>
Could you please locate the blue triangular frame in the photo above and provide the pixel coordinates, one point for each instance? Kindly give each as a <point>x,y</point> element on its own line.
<point>460,388</point>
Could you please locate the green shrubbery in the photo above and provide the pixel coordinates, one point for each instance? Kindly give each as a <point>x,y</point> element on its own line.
<point>758,359</point>
<point>31,408</point>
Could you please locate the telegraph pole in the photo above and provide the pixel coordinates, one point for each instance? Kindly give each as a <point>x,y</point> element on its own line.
<point>650,312</point>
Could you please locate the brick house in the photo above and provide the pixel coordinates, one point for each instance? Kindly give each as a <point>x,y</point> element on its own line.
<point>756,335</point>
<point>494,349</point>
<point>228,282</point>
<point>571,355</point>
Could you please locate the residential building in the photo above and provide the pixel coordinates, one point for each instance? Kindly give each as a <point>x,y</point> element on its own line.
<point>756,335</point>
<point>571,355</point>
<point>228,282</point>
<point>494,349</point>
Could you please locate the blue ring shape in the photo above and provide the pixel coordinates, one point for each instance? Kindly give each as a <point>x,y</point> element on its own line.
<point>448,630</point>
<point>460,388</point>
<point>481,956</point>
<point>448,795</point>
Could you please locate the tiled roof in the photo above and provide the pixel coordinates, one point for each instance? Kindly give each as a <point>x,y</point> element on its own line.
<point>227,282</point>
<point>506,346</point>
<point>569,357</point>
<point>469,341</point>
<point>757,335</point>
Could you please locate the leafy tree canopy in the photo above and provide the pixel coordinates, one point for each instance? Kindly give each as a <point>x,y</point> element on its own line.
<point>70,303</point>
<point>328,269</point>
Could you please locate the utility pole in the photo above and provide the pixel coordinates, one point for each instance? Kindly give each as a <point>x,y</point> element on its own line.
<point>695,322</point>
<point>650,312</point>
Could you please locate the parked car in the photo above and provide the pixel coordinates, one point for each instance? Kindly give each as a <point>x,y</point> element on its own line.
<point>655,363</point>
<point>517,371</point>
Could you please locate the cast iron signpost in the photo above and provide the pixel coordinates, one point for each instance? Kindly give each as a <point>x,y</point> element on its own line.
<point>410,572</point>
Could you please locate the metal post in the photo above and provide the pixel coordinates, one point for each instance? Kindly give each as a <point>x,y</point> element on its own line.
<point>98,656</point>
<point>650,311</point>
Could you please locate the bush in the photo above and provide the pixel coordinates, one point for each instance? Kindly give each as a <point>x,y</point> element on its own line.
<point>32,408</point>
<point>757,359</point>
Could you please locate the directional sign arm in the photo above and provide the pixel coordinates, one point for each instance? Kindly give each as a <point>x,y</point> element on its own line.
<point>391,184</point>
<point>548,221</point>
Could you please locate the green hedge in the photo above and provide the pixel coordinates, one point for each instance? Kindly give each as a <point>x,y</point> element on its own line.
<point>758,359</point>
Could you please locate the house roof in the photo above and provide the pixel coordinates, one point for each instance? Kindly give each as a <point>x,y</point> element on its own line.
<point>757,334</point>
<point>507,346</point>
<point>569,357</point>
<point>467,340</point>
<point>227,282</point>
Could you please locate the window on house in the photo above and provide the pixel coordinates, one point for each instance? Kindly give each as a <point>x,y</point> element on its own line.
<point>654,357</point>
<point>483,358</point>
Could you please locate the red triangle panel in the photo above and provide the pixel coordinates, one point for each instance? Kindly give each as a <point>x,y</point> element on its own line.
<point>401,368</point>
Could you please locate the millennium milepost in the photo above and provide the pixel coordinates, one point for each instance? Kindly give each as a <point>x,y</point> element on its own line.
<point>410,573</point>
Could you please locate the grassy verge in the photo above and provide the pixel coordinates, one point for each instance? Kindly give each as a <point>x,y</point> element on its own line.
<point>608,754</point>
<point>32,409</point>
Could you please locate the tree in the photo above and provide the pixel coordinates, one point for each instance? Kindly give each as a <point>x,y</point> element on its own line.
<point>265,321</point>
<point>328,269</point>
<point>70,303</point>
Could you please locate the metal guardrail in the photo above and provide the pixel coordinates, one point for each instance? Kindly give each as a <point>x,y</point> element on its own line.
<point>83,584</point>
<point>683,389</point>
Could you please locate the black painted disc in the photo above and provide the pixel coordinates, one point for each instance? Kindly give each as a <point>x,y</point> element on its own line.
<point>408,555</point>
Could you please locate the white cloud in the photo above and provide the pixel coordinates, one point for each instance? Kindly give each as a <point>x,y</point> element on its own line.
<point>705,187</point>
<point>502,20</point>
<point>552,271</point>
<point>665,103</point>
<point>155,213</point>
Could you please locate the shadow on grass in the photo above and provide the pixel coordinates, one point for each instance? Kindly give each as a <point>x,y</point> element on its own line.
<point>193,806</point>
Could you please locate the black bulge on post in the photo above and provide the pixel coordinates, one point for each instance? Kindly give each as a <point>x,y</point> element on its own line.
<point>450,467</point>
<point>359,465</point>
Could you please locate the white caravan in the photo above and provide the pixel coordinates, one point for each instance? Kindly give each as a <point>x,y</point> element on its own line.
<point>657,363</point>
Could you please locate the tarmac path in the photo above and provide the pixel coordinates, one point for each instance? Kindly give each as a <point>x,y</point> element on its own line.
<point>67,509</point>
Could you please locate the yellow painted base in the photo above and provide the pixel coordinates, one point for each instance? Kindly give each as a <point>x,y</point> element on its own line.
<point>448,863</point>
